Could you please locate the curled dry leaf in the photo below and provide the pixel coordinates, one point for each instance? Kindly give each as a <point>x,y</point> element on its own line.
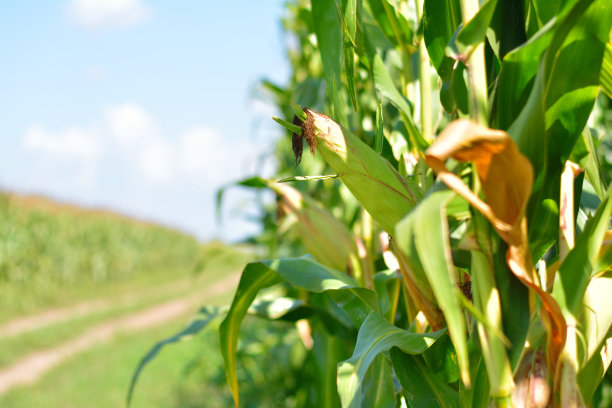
<point>506,177</point>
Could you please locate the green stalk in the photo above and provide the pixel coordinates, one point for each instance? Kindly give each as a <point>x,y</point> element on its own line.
<point>476,70</point>
<point>365,252</point>
<point>487,300</point>
<point>486,294</point>
<point>424,83</point>
<point>406,77</point>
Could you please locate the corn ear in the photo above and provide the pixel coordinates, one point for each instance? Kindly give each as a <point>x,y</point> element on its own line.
<point>382,191</point>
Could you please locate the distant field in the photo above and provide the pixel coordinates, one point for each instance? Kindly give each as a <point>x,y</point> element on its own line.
<point>55,254</point>
<point>57,257</point>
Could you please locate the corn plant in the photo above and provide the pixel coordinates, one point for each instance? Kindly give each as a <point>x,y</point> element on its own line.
<point>454,212</point>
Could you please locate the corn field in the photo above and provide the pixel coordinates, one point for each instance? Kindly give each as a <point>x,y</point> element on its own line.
<point>440,236</point>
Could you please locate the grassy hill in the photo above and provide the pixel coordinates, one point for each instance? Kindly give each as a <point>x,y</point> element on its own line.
<point>54,254</point>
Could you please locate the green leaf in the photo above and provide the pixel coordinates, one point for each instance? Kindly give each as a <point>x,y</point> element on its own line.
<point>560,102</point>
<point>349,68</point>
<point>605,76</point>
<point>384,85</point>
<point>597,333</point>
<point>380,135</point>
<point>441,360</point>
<point>597,317</point>
<point>350,17</point>
<point>593,165</point>
<point>303,273</point>
<point>545,10</point>
<point>378,388</point>
<point>327,352</point>
<point>441,18</point>
<point>481,318</point>
<point>476,396</point>
<point>393,24</point>
<point>507,28</point>
<point>421,387</point>
<point>255,277</point>
<point>459,85</point>
<point>289,126</point>
<point>474,32</point>
<point>307,178</point>
<point>516,77</point>
<point>387,286</point>
<point>299,111</point>
<point>203,318</point>
<point>575,272</point>
<point>327,27</point>
<point>376,335</point>
<point>423,236</point>
<point>279,308</point>
<point>589,378</point>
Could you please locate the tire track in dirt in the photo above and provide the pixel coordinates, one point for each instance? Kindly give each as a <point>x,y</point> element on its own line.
<point>32,367</point>
<point>37,321</point>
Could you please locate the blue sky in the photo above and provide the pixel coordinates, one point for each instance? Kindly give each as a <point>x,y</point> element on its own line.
<point>141,106</point>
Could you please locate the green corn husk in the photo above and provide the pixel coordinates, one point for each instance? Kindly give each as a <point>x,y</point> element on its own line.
<point>382,191</point>
<point>323,236</point>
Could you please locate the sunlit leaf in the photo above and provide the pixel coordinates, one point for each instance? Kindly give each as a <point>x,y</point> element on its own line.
<point>376,335</point>
<point>473,32</point>
<point>303,273</point>
<point>386,88</point>
<point>441,18</point>
<point>555,111</point>
<point>323,236</point>
<point>328,29</point>
<point>605,77</point>
<point>575,272</point>
<point>423,237</point>
<point>421,387</point>
<point>393,24</point>
<point>380,189</point>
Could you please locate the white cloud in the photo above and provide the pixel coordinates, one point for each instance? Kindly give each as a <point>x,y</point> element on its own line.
<point>204,154</point>
<point>130,137</point>
<point>211,157</point>
<point>95,14</point>
<point>125,160</point>
<point>157,162</point>
<point>71,143</point>
<point>131,125</point>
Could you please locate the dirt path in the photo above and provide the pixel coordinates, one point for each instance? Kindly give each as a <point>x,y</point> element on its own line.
<point>31,367</point>
<point>37,321</point>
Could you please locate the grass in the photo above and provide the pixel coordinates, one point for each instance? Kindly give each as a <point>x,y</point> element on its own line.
<point>219,260</point>
<point>15,347</point>
<point>188,374</point>
<point>55,255</point>
<point>100,377</point>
